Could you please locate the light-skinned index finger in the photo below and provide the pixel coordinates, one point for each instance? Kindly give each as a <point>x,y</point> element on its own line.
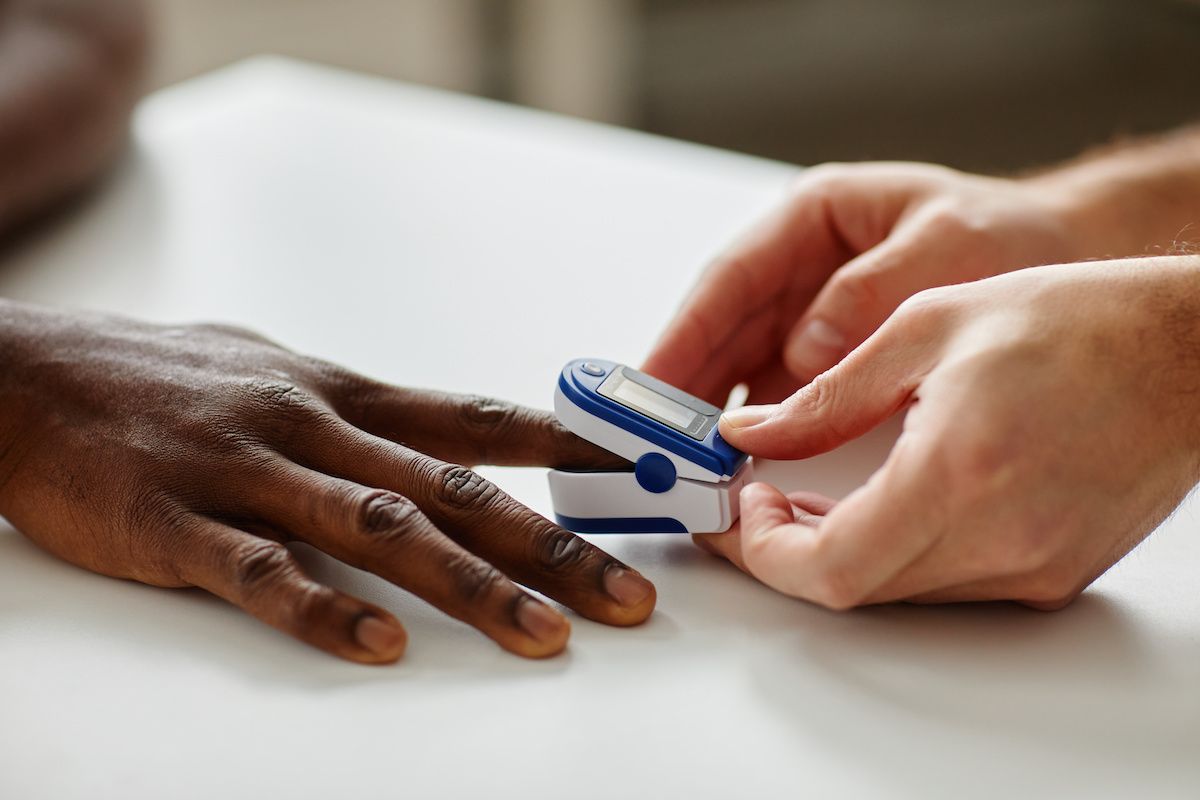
<point>794,245</point>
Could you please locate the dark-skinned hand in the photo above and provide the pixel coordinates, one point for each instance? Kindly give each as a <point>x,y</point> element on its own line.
<point>189,456</point>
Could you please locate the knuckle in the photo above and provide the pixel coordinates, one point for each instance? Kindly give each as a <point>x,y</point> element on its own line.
<point>820,400</point>
<point>1057,604</point>
<point>227,435</point>
<point>227,330</point>
<point>483,419</point>
<point>460,487</point>
<point>828,175</point>
<point>474,579</point>
<point>170,528</point>
<point>927,308</point>
<point>967,229</point>
<point>380,514</point>
<point>1050,587</point>
<point>857,289</point>
<point>356,397</point>
<point>261,564</point>
<point>819,397</point>
<point>946,219</point>
<point>250,456</point>
<point>278,396</point>
<point>277,411</point>
<point>149,507</point>
<point>949,221</point>
<point>925,302</point>
<point>1029,550</point>
<point>756,550</point>
<point>835,589</point>
<point>333,378</point>
<point>556,549</point>
<point>983,458</point>
<point>485,413</point>
<point>304,609</point>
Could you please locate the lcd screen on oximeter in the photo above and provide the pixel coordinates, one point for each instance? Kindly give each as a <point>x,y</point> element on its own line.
<point>660,402</point>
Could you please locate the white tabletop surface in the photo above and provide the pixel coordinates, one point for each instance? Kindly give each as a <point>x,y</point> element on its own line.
<point>436,240</point>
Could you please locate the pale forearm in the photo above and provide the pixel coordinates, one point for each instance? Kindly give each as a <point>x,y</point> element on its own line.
<point>70,72</point>
<point>1142,198</point>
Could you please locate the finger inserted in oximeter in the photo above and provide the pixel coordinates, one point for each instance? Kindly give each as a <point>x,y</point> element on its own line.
<point>685,478</point>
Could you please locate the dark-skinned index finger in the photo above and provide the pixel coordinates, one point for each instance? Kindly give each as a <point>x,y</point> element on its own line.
<point>790,253</point>
<point>468,429</point>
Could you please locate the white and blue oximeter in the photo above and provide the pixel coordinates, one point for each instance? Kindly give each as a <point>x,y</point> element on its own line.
<point>685,478</point>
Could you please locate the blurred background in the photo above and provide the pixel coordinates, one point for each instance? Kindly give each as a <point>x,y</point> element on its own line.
<point>989,85</point>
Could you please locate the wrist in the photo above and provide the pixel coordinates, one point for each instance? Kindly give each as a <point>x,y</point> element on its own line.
<point>1143,200</point>
<point>1101,223</point>
<point>1173,307</point>
<point>10,420</point>
<point>18,337</point>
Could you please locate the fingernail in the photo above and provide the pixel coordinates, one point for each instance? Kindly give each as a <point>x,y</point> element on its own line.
<point>746,416</point>
<point>627,588</point>
<point>380,637</point>
<point>817,348</point>
<point>540,621</point>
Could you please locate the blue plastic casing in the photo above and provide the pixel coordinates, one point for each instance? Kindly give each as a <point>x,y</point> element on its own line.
<point>582,389</point>
<point>655,472</point>
<point>620,524</point>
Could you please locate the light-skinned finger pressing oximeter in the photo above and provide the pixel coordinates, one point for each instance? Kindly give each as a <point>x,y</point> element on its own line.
<point>685,478</point>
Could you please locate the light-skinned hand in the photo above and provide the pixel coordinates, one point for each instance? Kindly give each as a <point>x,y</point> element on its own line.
<point>851,243</point>
<point>1050,425</point>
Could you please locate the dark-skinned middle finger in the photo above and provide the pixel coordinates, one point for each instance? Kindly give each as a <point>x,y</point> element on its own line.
<point>475,513</point>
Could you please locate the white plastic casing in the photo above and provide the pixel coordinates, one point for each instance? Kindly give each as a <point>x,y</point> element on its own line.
<point>701,507</point>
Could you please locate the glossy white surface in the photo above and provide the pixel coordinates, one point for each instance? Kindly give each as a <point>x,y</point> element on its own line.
<point>435,240</point>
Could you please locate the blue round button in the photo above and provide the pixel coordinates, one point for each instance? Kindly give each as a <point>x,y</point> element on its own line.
<point>592,369</point>
<point>655,472</point>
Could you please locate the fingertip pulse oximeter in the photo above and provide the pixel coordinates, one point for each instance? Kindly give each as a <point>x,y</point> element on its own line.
<point>685,478</point>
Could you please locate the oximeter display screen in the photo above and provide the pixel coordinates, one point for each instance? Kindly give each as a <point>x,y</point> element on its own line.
<point>639,398</point>
<point>662,402</point>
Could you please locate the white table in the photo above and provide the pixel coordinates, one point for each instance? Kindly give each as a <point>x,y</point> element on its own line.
<point>349,217</point>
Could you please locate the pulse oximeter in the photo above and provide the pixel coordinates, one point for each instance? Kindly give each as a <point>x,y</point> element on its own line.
<point>685,478</point>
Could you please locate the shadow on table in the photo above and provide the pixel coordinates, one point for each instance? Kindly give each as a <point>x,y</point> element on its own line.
<point>42,593</point>
<point>1090,683</point>
<point>1096,681</point>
